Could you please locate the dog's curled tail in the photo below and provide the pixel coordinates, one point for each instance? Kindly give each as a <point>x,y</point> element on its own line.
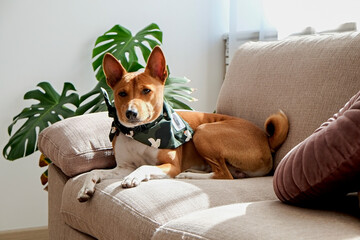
<point>277,127</point>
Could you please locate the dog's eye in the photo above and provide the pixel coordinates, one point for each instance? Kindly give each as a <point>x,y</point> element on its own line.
<point>146,91</point>
<point>122,94</point>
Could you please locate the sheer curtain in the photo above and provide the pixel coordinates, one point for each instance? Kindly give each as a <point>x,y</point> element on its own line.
<point>276,19</point>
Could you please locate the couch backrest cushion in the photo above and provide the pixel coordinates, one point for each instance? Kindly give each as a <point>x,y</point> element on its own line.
<point>309,78</point>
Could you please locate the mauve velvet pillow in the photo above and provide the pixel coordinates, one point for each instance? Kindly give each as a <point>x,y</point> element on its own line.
<point>325,164</point>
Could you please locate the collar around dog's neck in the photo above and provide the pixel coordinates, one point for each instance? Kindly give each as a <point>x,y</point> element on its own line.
<point>168,131</point>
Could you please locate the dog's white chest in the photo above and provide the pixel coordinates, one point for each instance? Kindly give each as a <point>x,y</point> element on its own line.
<point>131,153</point>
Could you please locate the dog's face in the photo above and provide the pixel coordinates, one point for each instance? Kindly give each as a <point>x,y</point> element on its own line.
<point>138,97</point>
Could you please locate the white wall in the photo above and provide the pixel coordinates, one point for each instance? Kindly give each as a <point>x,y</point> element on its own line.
<point>50,40</point>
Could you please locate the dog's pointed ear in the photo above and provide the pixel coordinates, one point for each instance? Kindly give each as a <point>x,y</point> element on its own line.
<point>156,65</point>
<point>113,70</point>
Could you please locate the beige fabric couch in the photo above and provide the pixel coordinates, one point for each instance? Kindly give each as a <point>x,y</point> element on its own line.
<point>309,78</point>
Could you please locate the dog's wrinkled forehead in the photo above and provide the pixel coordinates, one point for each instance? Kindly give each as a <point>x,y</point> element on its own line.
<point>130,76</point>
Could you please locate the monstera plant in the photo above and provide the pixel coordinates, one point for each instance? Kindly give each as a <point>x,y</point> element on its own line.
<point>52,106</point>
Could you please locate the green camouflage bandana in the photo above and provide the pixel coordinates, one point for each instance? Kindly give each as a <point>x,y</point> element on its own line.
<point>168,131</point>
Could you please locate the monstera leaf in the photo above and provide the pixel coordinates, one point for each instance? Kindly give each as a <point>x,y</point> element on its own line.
<point>120,42</point>
<point>175,88</point>
<point>50,109</point>
<point>96,102</point>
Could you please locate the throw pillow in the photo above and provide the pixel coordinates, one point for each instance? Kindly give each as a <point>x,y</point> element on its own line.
<point>79,144</point>
<point>325,164</point>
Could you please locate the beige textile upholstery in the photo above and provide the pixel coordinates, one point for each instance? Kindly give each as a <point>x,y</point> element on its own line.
<point>261,220</point>
<point>137,212</point>
<point>57,227</point>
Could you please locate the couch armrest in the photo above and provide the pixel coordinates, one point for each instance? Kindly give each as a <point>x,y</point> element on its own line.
<point>79,144</point>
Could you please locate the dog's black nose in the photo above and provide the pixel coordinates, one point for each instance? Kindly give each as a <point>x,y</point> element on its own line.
<point>131,114</point>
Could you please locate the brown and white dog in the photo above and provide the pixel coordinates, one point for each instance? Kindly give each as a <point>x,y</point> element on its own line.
<point>229,147</point>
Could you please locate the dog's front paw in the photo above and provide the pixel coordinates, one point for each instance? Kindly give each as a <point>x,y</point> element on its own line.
<point>134,180</point>
<point>85,194</point>
<point>130,181</point>
<point>136,177</point>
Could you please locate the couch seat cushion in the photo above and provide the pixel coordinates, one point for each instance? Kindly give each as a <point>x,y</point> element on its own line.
<point>136,213</point>
<point>261,220</point>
